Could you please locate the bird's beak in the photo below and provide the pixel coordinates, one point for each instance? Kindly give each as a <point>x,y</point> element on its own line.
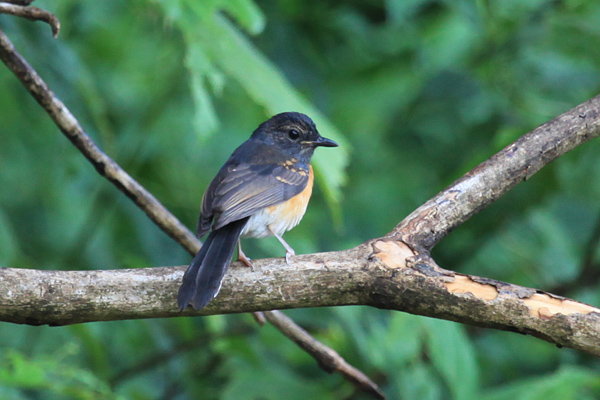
<point>321,141</point>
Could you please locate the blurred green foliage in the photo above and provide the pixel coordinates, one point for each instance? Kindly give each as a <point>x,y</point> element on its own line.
<point>418,93</point>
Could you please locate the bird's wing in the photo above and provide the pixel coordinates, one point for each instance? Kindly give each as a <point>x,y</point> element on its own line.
<point>240,190</point>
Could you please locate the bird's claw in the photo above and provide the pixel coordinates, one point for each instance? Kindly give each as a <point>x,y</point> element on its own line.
<point>288,256</point>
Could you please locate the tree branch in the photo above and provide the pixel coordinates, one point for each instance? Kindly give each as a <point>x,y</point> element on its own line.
<point>105,166</point>
<point>376,273</point>
<point>327,358</point>
<point>108,168</point>
<point>384,273</point>
<point>490,180</point>
<point>394,272</point>
<point>31,13</point>
<point>20,2</point>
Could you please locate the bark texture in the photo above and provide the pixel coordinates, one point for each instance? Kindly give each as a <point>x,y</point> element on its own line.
<point>382,273</point>
<point>394,272</point>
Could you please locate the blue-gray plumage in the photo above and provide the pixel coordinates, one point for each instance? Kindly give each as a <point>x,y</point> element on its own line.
<point>262,190</point>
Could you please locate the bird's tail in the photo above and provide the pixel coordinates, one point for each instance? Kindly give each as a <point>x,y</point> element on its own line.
<point>203,278</point>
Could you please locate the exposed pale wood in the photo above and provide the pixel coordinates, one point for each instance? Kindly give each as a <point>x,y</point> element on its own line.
<point>395,272</point>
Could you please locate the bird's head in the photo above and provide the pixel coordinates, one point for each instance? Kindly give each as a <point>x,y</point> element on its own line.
<point>293,133</point>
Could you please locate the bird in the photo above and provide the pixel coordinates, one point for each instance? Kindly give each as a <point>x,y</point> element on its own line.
<point>262,190</point>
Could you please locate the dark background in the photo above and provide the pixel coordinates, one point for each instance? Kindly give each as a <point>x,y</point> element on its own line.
<point>417,92</point>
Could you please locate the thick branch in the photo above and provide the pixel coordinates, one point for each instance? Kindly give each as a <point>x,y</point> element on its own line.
<point>383,273</point>
<point>374,274</point>
<point>143,199</point>
<point>490,180</point>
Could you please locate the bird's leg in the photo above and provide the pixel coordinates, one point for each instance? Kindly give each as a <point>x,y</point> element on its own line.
<point>242,257</point>
<point>288,249</point>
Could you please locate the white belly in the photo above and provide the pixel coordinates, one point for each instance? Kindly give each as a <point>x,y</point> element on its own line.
<point>282,217</point>
<point>273,218</point>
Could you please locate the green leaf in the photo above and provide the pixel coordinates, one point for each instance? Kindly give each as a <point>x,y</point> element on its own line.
<point>206,120</point>
<point>8,243</point>
<point>267,86</point>
<point>53,376</point>
<point>416,382</point>
<point>568,383</point>
<point>269,380</point>
<point>387,340</point>
<point>215,44</point>
<point>453,356</point>
<point>18,371</point>
<point>247,14</point>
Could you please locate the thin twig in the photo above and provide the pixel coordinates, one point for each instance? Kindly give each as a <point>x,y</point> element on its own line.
<point>108,168</point>
<point>327,358</point>
<point>20,2</point>
<point>377,273</point>
<point>31,13</point>
<point>105,166</point>
<point>383,273</point>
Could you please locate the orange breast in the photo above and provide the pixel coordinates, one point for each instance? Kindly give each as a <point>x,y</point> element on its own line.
<point>297,204</point>
<point>281,217</point>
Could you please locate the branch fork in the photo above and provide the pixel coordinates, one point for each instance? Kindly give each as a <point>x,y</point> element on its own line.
<point>393,272</point>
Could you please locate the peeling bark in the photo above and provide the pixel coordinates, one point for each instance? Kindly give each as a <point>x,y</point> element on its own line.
<point>388,277</point>
<point>395,272</point>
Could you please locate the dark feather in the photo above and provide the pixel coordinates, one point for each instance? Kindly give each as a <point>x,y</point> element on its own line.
<point>266,170</point>
<point>247,184</point>
<point>203,278</point>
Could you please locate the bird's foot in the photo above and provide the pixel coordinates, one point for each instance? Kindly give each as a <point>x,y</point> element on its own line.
<point>247,261</point>
<point>288,255</point>
<point>243,258</point>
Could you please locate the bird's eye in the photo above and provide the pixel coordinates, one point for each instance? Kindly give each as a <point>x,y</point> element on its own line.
<point>293,134</point>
